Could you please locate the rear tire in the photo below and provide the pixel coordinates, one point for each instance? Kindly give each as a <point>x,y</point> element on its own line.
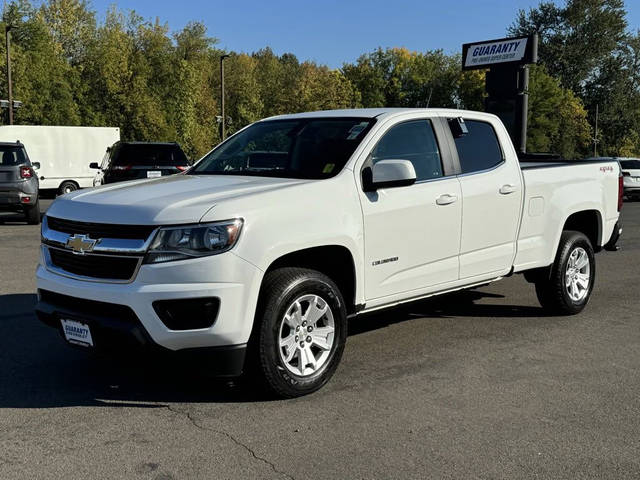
<point>300,332</point>
<point>567,289</point>
<point>67,187</point>
<point>32,214</point>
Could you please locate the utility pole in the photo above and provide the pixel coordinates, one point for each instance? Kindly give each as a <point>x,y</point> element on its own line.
<point>223,119</point>
<point>10,88</point>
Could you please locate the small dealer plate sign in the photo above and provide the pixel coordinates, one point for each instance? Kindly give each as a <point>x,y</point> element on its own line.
<point>77,333</point>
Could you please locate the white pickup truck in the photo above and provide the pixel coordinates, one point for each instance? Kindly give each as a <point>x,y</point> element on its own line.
<point>253,259</point>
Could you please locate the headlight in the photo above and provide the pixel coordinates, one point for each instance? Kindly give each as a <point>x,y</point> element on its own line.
<point>190,241</point>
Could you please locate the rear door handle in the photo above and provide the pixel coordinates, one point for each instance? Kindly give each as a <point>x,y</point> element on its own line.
<point>446,199</point>
<point>507,189</point>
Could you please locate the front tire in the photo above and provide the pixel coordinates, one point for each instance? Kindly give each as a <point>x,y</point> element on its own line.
<point>567,289</point>
<point>301,331</point>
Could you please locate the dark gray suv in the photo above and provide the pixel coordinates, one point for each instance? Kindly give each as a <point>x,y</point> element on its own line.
<point>18,182</point>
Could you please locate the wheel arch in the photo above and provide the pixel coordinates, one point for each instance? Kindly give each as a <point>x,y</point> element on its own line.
<point>588,222</point>
<point>335,261</point>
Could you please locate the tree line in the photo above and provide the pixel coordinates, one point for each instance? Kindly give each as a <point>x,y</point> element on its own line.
<point>130,72</point>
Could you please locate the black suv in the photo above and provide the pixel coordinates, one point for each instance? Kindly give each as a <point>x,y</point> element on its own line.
<point>136,160</point>
<point>18,182</point>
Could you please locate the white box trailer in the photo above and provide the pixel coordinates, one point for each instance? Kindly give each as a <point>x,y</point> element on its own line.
<point>64,153</point>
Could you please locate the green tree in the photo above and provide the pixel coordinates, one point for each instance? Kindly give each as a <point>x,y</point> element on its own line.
<point>557,119</point>
<point>574,40</point>
<point>396,77</point>
<point>40,71</point>
<point>586,46</point>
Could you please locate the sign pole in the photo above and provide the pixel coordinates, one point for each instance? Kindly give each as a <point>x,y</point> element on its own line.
<point>507,80</point>
<point>523,100</point>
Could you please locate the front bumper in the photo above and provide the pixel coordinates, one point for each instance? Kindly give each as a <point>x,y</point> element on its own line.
<point>227,277</point>
<point>116,328</point>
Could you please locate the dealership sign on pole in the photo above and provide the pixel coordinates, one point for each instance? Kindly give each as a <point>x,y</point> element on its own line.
<point>515,50</point>
<point>507,79</point>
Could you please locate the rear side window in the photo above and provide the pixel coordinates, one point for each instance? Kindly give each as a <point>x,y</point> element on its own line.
<point>414,141</point>
<point>149,155</point>
<point>11,156</point>
<point>479,148</point>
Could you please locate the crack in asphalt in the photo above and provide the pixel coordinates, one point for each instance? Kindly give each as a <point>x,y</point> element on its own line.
<point>193,421</point>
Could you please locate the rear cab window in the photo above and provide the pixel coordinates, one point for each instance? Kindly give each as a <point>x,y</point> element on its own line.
<point>479,149</point>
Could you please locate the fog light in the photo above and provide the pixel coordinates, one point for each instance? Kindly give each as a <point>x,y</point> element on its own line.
<point>188,313</point>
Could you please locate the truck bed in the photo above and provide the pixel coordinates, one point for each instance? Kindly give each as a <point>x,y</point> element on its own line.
<point>549,186</point>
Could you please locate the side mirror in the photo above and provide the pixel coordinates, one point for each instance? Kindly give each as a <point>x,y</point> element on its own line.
<point>94,165</point>
<point>35,165</point>
<point>389,174</point>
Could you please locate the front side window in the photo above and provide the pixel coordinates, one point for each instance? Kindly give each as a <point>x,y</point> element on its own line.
<point>414,141</point>
<point>479,148</point>
<point>311,148</point>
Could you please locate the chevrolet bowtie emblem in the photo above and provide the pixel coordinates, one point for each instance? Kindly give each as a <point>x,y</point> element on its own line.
<point>81,243</point>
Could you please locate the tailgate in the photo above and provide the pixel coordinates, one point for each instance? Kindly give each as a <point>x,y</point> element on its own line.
<point>9,174</point>
<point>139,172</point>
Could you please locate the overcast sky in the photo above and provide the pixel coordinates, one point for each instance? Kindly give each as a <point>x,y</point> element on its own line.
<point>333,32</point>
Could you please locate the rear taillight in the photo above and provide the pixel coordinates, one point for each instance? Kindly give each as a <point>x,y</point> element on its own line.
<point>181,168</point>
<point>26,172</point>
<point>620,192</point>
<point>122,167</point>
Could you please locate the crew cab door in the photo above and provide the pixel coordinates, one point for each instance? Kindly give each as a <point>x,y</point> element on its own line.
<point>412,233</point>
<point>492,189</point>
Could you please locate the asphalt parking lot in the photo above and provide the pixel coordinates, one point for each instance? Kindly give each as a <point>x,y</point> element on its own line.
<point>478,384</point>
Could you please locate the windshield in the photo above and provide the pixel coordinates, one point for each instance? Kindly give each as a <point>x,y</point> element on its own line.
<point>150,155</point>
<point>11,155</point>
<point>630,164</point>
<point>302,148</point>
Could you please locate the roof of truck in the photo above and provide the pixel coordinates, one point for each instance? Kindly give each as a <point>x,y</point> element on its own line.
<point>372,113</point>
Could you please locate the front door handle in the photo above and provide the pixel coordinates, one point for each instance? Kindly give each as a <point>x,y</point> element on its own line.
<point>507,189</point>
<point>446,199</point>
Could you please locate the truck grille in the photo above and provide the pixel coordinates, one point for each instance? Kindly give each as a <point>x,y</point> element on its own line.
<point>101,230</point>
<point>108,267</point>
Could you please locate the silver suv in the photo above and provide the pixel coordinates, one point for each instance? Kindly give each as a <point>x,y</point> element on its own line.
<point>18,182</point>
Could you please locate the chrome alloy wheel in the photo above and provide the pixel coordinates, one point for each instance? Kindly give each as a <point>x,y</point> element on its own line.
<point>577,276</point>
<point>306,335</point>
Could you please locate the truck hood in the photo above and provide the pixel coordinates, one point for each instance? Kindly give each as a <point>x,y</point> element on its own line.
<point>164,201</point>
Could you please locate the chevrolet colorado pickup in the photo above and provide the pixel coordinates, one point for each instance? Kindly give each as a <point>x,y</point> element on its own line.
<point>253,259</point>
